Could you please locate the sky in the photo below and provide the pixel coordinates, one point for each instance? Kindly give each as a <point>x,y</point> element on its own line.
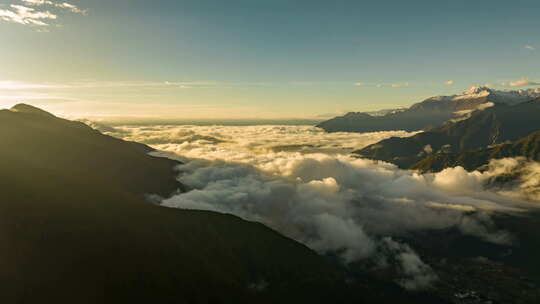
<point>259,59</point>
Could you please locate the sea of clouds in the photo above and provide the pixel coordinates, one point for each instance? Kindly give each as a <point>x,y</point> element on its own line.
<point>304,183</point>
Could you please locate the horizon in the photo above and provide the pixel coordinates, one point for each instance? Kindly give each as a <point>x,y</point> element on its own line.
<point>159,118</point>
<point>278,60</point>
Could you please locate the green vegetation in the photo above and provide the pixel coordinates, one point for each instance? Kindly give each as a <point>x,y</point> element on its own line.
<point>528,147</point>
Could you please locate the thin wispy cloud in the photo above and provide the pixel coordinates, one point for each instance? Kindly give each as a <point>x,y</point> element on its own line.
<point>26,15</point>
<point>17,85</point>
<point>529,47</point>
<point>33,14</point>
<point>400,85</point>
<point>449,83</point>
<point>382,85</point>
<point>194,84</point>
<point>73,8</point>
<point>523,82</point>
<point>20,85</point>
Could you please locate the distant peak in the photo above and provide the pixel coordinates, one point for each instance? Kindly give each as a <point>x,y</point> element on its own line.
<point>478,90</point>
<point>24,108</point>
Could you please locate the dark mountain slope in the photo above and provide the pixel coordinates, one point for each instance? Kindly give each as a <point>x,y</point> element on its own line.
<point>408,120</point>
<point>495,125</point>
<point>528,147</point>
<point>73,148</point>
<point>74,228</point>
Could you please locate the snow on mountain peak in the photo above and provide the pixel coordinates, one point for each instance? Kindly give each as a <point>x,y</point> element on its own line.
<point>499,96</point>
<point>475,90</point>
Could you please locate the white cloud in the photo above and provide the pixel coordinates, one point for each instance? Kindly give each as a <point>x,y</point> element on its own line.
<point>239,143</point>
<point>196,84</point>
<point>15,85</point>
<point>64,5</point>
<point>449,83</point>
<point>359,84</point>
<point>301,182</point>
<point>523,82</point>
<point>400,85</point>
<point>529,47</point>
<point>26,15</point>
<point>36,17</point>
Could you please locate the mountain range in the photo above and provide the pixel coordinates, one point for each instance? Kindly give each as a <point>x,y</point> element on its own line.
<point>429,113</point>
<point>501,123</point>
<point>79,223</point>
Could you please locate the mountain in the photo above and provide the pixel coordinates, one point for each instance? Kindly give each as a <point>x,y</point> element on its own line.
<point>491,126</point>
<point>528,147</point>
<point>75,227</point>
<point>429,113</point>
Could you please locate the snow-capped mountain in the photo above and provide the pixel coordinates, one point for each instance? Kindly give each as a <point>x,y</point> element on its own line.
<point>493,95</point>
<point>431,112</point>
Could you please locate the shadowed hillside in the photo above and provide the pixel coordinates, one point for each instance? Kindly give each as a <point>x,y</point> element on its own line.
<point>491,126</point>
<point>528,147</point>
<point>75,228</point>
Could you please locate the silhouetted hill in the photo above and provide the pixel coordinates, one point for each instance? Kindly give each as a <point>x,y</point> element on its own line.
<point>491,126</point>
<point>407,120</point>
<point>429,113</point>
<point>28,109</point>
<point>528,147</point>
<point>73,148</point>
<point>75,228</point>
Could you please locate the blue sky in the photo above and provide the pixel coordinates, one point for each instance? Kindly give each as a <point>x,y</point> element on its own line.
<point>272,59</point>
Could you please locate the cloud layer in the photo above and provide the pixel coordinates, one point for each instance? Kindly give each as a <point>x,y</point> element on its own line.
<point>301,182</point>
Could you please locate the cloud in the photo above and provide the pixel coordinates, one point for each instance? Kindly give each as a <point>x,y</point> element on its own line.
<point>64,5</point>
<point>529,47</point>
<point>523,82</point>
<point>449,83</point>
<point>240,143</point>
<point>303,183</point>
<point>36,17</point>
<point>359,84</point>
<point>400,85</point>
<point>527,174</point>
<point>196,84</point>
<point>26,15</point>
<point>17,85</point>
<point>345,206</point>
<point>415,274</point>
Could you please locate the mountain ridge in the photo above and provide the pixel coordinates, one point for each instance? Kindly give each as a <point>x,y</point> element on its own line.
<point>429,113</point>
<point>527,147</point>
<point>75,227</point>
<point>491,126</point>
